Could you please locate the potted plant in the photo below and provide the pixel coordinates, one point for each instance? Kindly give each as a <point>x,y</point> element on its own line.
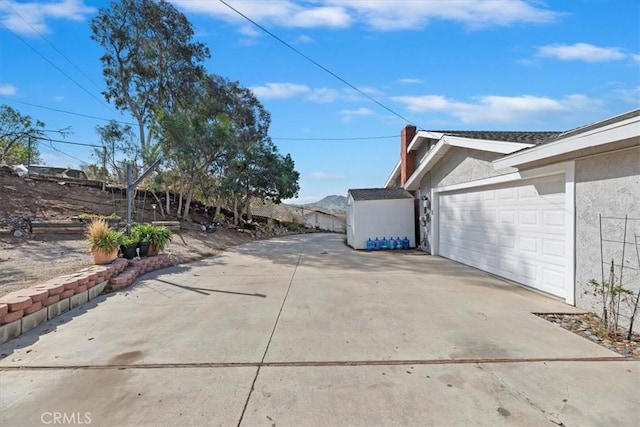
<point>144,234</point>
<point>160,238</point>
<point>129,246</point>
<point>103,241</point>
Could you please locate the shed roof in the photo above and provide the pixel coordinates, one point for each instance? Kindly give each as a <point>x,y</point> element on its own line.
<point>380,194</point>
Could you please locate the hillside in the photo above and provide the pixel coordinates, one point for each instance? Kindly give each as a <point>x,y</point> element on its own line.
<point>335,204</point>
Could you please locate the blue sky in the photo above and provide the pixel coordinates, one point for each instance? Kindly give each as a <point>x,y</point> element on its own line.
<point>459,64</point>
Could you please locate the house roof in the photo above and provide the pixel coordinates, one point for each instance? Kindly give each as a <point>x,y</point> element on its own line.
<point>617,132</point>
<point>506,136</point>
<point>380,194</point>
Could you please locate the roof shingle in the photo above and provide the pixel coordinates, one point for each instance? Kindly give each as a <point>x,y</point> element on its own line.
<point>380,194</point>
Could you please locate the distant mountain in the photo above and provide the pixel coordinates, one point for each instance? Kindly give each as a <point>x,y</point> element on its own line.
<point>335,204</point>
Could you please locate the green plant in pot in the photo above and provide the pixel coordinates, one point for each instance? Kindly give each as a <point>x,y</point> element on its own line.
<point>144,233</point>
<point>160,239</point>
<point>129,246</point>
<point>103,241</point>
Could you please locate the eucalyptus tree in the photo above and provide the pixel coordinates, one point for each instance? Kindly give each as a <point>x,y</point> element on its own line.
<point>17,134</point>
<point>195,135</point>
<point>149,59</point>
<point>254,167</point>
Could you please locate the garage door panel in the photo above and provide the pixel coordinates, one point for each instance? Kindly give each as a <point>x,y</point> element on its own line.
<point>514,231</point>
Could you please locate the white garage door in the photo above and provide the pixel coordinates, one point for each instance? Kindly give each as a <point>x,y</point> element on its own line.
<point>515,230</point>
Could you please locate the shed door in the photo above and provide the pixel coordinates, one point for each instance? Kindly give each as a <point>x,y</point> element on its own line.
<point>516,231</point>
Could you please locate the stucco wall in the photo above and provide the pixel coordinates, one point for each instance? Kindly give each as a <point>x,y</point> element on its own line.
<point>607,185</point>
<point>463,165</point>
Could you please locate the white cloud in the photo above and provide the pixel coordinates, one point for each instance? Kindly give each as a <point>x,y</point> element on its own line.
<point>324,95</point>
<point>31,18</point>
<point>410,81</point>
<point>385,15</point>
<point>284,13</point>
<point>499,109</point>
<point>581,52</point>
<point>279,90</point>
<point>631,96</point>
<point>303,39</point>
<point>8,90</point>
<point>324,176</point>
<point>348,115</point>
<point>635,57</point>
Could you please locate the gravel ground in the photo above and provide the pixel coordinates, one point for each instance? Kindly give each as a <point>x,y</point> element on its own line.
<point>586,325</point>
<point>25,262</point>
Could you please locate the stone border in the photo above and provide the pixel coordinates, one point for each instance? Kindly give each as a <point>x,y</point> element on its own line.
<point>23,310</point>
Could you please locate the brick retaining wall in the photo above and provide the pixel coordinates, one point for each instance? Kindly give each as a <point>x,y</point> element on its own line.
<point>23,310</point>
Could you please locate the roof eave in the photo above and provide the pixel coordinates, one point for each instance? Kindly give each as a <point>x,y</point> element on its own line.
<point>394,175</point>
<point>446,142</point>
<point>617,131</point>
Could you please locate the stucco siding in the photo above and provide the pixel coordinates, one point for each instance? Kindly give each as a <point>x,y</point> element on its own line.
<point>463,165</point>
<point>607,185</point>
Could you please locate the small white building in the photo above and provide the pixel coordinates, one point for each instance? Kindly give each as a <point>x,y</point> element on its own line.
<point>324,221</point>
<point>379,212</point>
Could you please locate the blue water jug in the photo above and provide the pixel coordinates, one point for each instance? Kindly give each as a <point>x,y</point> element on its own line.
<point>376,244</point>
<point>399,243</point>
<point>405,243</point>
<point>370,244</point>
<point>392,243</point>
<point>384,243</point>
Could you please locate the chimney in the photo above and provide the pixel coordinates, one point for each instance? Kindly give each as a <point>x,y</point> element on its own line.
<point>407,160</point>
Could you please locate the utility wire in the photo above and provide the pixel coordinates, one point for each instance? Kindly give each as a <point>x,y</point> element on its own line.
<point>317,64</point>
<point>356,138</point>
<point>54,47</point>
<point>68,112</point>
<point>58,68</point>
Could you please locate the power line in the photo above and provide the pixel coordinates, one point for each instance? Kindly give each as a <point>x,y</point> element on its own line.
<point>70,142</point>
<point>357,138</point>
<point>317,64</point>
<point>54,47</point>
<point>57,68</point>
<point>68,112</point>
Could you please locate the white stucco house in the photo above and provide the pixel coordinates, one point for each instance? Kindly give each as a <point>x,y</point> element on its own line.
<point>527,206</point>
<point>379,213</point>
<point>325,221</point>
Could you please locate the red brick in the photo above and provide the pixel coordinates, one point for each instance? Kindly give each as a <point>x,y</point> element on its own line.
<point>36,295</point>
<point>4,309</point>
<point>52,287</point>
<point>80,289</point>
<point>16,302</point>
<point>70,284</point>
<point>68,293</point>
<point>91,284</point>
<point>11,317</point>
<point>82,281</point>
<point>51,300</point>
<point>33,308</point>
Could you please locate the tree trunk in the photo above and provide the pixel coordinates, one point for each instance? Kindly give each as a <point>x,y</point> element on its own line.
<point>159,204</point>
<point>185,216</point>
<point>236,219</point>
<point>168,201</point>
<point>249,217</point>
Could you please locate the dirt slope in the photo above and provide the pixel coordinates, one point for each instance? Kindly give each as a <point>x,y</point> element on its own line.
<point>27,260</point>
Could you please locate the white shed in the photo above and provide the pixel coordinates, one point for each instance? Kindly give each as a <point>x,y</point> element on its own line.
<point>379,212</point>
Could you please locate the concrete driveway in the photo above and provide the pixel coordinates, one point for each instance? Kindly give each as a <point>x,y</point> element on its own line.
<point>302,331</point>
